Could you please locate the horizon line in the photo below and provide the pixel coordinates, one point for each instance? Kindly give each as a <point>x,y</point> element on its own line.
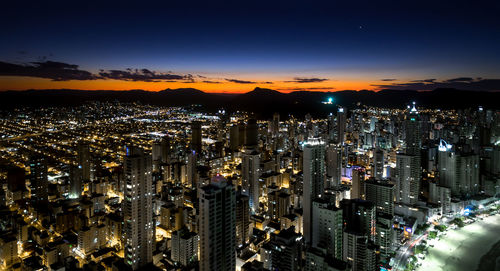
<point>234,93</point>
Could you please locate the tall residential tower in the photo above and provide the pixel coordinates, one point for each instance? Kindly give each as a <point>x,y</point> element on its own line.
<point>139,228</point>
<point>217,227</point>
<point>314,181</point>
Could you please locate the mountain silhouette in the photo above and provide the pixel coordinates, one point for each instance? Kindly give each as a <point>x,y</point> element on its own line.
<point>262,101</point>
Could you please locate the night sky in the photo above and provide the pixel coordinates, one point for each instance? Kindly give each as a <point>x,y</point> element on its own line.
<point>226,46</point>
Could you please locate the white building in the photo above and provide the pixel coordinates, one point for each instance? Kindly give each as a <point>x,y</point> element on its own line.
<point>407,178</point>
<point>91,238</point>
<point>459,172</point>
<point>327,228</point>
<point>139,228</point>
<point>378,164</point>
<point>334,165</point>
<point>184,246</point>
<point>217,226</point>
<point>360,252</point>
<point>250,169</point>
<point>313,179</point>
<point>440,195</point>
<point>381,193</point>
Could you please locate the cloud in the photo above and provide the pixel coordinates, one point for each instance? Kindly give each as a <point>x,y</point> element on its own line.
<point>240,81</point>
<point>462,83</point>
<point>143,75</point>
<point>57,71</point>
<point>387,80</point>
<point>307,80</point>
<point>211,82</point>
<point>461,79</point>
<point>60,71</point>
<point>308,89</point>
<point>237,81</point>
<point>423,81</point>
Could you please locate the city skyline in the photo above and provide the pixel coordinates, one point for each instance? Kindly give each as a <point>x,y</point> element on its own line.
<point>225,135</point>
<point>132,186</point>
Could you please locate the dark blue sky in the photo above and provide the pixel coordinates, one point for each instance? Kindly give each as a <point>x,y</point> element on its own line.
<point>264,39</point>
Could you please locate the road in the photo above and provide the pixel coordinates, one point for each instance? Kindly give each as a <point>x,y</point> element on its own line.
<point>405,251</point>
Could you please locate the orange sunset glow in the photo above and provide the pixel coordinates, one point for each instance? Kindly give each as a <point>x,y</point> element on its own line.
<point>22,83</point>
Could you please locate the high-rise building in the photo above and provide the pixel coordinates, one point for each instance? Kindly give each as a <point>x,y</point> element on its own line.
<point>39,182</point>
<point>8,251</point>
<point>319,260</point>
<point>408,165</point>
<point>378,164</point>
<point>440,195</point>
<point>373,124</point>
<point>341,125</point>
<point>252,134</point>
<point>91,238</point>
<point>381,193</point>
<point>407,178</point>
<point>84,160</point>
<point>250,169</point>
<point>278,204</point>
<point>491,159</point>
<point>327,227</point>
<point>196,136</point>
<point>156,155</point>
<point>275,124</point>
<point>165,149</point>
<point>358,183</point>
<point>359,234</point>
<point>333,165</point>
<point>360,252</point>
<point>75,182</point>
<point>217,226</point>
<point>283,251</point>
<point>359,216</point>
<point>234,137</point>
<point>385,236</point>
<point>459,172</point>
<point>242,219</point>
<point>313,181</point>
<point>412,132</point>
<point>192,174</point>
<point>241,133</point>
<point>331,128</point>
<point>139,228</point>
<point>184,247</point>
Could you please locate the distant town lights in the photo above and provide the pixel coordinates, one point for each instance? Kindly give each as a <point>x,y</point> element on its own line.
<point>328,101</point>
<point>413,109</point>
